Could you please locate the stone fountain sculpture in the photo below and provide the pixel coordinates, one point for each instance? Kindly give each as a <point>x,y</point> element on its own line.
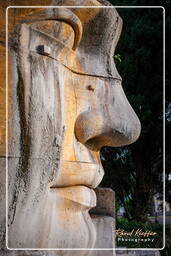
<point>66,102</point>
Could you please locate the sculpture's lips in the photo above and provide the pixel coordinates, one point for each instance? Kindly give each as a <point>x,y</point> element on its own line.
<point>82,195</point>
<point>76,180</point>
<point>75,173</point>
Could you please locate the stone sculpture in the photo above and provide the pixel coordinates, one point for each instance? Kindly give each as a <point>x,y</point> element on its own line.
<point>66,102</point>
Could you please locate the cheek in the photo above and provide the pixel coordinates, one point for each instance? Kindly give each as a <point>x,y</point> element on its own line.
<point>89,93</point>
<point>44,108</point>
<point>36,128</point>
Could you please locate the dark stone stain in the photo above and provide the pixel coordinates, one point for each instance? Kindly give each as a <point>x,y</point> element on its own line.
<point>90,88</point>
<point>25,141</point>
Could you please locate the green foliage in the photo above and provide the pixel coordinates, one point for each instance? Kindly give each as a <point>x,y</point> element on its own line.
<point>117,58</point>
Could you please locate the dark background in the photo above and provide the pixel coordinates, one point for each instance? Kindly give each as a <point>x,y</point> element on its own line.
<point>135,172</point>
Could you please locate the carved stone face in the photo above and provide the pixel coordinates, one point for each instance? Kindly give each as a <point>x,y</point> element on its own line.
<point>65,105</point>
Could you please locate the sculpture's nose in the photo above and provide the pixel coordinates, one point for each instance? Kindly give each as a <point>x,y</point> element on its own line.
<point>111,123</point>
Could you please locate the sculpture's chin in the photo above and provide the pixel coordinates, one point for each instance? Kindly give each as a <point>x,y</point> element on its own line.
<point>60,210</point>
<point>56,210</point>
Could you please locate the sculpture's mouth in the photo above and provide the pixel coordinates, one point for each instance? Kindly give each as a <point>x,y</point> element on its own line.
<point>76,181</point>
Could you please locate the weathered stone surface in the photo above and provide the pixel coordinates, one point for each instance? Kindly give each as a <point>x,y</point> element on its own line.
<point>65,102</point>
<point>105,202</point>
<point>105,230</point>
<point>103,217</point>
<point>2,202</point>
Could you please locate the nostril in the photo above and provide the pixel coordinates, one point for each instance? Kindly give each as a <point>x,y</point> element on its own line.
<point>96,143</point>
<point>89,126</point>
<point>96,129</point>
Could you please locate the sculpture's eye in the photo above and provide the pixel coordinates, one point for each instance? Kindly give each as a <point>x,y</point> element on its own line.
<point>59,14</point>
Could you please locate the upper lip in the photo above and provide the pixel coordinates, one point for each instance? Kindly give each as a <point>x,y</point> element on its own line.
<point>77,173</point>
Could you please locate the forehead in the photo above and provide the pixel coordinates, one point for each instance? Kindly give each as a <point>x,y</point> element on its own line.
<point>98,32</point>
